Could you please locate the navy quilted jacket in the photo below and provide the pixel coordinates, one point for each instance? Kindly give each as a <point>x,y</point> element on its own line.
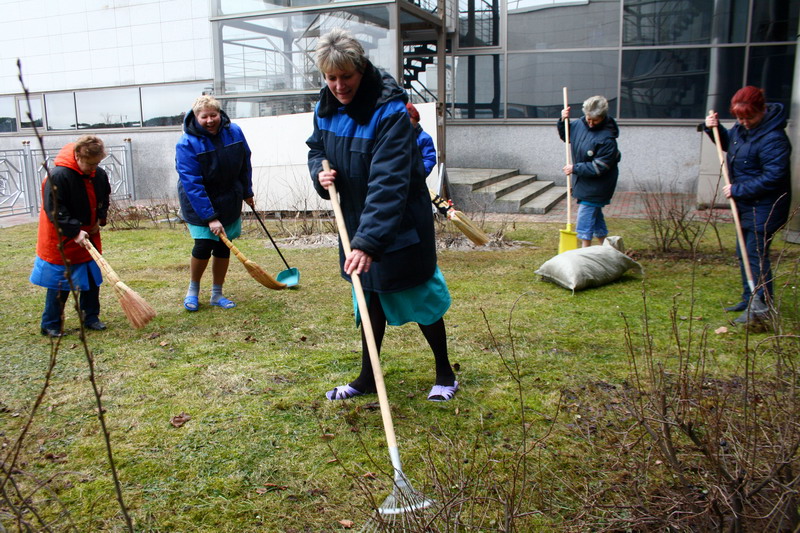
<point>594,159</point>
<point>380,179</point>
<point>759,167</point>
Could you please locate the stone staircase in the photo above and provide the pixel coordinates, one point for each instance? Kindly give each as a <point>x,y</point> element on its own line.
<point>503,190</point>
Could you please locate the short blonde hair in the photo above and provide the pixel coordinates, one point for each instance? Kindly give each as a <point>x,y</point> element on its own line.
<point>89,146</point>
<point>205,101</point>
<point>339,50</point>
<point>595,107</point>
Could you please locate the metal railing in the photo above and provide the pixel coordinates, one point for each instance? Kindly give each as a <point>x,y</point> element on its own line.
<point>23,170</point>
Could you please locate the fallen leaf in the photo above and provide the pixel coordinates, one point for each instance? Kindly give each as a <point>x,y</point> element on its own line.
<point>347,523</point>
<point>179,420</point>
<point>303,338</point>
<point>163,343</point>
<point>720,330</point>
<point>370,475</point>
<point>334,460</point>
<point>327,436</point>
<point>261,491</point>
<point>154,335</point>
<point>274,486</point>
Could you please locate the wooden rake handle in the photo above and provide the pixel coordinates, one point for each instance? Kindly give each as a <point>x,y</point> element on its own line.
<point>569,160</point>
<point>372,347</point>
<point>735,212</point>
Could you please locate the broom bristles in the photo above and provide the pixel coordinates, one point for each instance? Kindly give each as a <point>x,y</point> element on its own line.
<point>262,276</point>
<point>470,230</point>
<point>136,309</point>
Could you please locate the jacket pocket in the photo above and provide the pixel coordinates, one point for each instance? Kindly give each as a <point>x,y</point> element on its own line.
<point>404,240</point>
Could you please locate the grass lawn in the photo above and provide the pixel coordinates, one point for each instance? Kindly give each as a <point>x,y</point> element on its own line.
<point>265,451</point>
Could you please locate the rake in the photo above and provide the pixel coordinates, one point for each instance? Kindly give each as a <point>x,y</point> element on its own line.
<point>255,271</point>
<point>399,507</point>
<point>568,239</point>
<point>136,309</point>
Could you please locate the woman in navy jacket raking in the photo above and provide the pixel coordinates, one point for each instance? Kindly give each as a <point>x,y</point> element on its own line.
<point>594,171</point>
<point>758,157</point>
<point>362,128</point>
<point>213,163</point>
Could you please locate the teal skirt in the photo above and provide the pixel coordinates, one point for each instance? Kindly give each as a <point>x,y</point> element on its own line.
<point>232,230</point>
<point>423,304</point>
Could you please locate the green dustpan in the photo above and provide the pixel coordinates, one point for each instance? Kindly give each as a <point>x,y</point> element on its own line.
<point>290,276</point>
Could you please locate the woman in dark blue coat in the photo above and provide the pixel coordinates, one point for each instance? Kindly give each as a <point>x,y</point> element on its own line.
<point>362,128</point>
<point>758,157</point>
<point>594,171</point>
<point>213,163</point>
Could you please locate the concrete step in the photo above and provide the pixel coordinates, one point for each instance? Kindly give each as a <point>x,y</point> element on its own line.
<point>544,202</point>
<point>513,202</point>
<point>475,178</point>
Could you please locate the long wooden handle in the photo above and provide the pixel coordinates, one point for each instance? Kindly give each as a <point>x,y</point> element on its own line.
<point>737,223</point>
<point>569,160</point>
<point>101,261</point>
<point>239,255</point>
<point>372,347</point>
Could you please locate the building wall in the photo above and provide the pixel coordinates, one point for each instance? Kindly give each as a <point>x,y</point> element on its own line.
<point>76,44</point>
<point>665,158</point>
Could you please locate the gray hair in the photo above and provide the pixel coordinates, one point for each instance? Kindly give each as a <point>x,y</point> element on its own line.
<point>205,102</point>
<point>595,107</point>
<point>339,50</point>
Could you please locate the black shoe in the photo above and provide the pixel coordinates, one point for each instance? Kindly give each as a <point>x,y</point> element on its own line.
<point>758,312</point>
<point>97,326</point>
<point>741,306</point>
<point>52,333</point>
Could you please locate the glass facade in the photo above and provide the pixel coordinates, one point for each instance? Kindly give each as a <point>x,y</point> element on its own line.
<point>126,107</point>
<point>267,62</point>
<point>652,59</point>
<point>8,114</point>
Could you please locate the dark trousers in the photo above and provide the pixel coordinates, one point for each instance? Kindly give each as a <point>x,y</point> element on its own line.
<point>54,305</point>
<point>757,244</point>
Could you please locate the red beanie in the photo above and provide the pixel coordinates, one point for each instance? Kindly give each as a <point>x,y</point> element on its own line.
<point>748,101</point>
<point>412,111</point>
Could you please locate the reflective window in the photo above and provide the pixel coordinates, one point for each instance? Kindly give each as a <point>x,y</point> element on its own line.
<point>269,106</point>
<point>166,105</point>
<point>536,25</point>
<point>478,87</point>
<point>774,20</point>
<point>60,109</point>
<point>772,69</point>
<point>664,83</point>
<point>536,81</point>
<point>478,23</point>
<point>8,114</point>
<point>30,111</point>
<point>111,108</point>
<point>274,54</point>
<point>667,22</point>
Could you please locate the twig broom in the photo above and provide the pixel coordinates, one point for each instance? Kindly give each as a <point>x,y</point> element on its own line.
<point>255,271</point>
<point>404,500</point>
<point>136,309</point>
<point>459,219</point>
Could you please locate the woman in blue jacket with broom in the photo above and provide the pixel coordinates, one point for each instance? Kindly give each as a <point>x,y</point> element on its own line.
<point>758,157</point>
<point>362,128</point>
<point>213,163</point>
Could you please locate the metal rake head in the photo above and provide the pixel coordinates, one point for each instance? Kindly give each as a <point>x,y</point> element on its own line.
<point>401,511</point>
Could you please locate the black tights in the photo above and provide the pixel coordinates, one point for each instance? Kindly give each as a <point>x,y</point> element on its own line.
<point>434,333</point>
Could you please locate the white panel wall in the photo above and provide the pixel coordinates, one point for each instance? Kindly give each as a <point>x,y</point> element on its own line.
<point>77,44</point>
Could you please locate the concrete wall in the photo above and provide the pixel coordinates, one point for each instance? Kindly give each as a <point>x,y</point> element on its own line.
<point>665,158</point>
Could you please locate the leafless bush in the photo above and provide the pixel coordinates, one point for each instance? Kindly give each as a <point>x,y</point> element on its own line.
<point>124,216</point>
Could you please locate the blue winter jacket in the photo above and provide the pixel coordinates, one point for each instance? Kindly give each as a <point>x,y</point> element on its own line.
<point>594,159</point>
<point>426,148</point>
<point>380,179</point>
<point>214,172</point>
<point>759,167</point>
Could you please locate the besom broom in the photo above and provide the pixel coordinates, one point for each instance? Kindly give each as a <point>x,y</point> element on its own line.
<point>459,219</point>
<point>404,501</point>
<point>255,271</point>
<point>136,309</point>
